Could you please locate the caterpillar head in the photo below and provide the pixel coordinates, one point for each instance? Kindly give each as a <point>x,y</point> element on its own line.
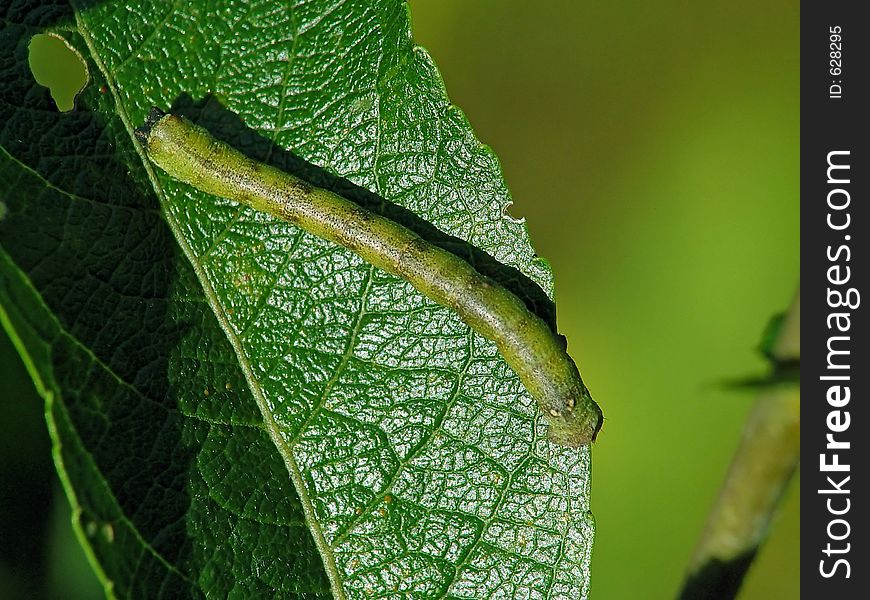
<point>577,424</point>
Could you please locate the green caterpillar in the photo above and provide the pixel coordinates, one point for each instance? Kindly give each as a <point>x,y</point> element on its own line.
<point>189,153</point>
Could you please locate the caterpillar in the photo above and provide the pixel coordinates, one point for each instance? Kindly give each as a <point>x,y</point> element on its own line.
<point>539,356</point>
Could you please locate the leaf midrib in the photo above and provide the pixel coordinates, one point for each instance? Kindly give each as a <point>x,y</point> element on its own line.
<point>271,426</point>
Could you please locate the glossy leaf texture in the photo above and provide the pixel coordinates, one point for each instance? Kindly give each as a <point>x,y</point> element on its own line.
<point>238,408</point>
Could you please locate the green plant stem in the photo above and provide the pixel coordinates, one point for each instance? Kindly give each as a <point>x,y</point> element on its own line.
<point>759,474</point>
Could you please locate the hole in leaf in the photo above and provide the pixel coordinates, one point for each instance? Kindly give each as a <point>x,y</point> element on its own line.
<point>56,65</point>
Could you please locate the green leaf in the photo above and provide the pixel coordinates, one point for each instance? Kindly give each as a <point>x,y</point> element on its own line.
<point>238,408</point>
<point>767,346</point>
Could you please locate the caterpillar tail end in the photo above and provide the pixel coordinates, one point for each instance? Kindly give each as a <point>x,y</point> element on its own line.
<point>144,131</point>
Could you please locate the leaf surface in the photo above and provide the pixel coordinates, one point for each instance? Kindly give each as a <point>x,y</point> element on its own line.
<point>242,409</point>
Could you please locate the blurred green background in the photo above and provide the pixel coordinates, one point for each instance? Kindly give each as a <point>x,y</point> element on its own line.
<point>654,150</point>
